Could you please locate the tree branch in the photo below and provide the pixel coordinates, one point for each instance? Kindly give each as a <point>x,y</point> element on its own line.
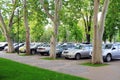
<point>102,19</point>
<point>4,28</point>
<point>84,22</point>
<point>17,20</point>
<point>12,15</point>
<point>46,10</point>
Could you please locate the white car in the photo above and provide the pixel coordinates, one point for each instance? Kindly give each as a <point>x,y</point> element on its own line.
<point>81,51</point>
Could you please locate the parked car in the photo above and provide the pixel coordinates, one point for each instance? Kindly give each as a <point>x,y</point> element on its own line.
<point>3,45</point>
<point>23,48</point>
<point>33,49</point>
<point>18,46</point>
<point>80,51</point>
<point>44,49</point>
<point>111,51</point>
<point>66,46</point>
<point>59,50</point>
<point>6,48</point>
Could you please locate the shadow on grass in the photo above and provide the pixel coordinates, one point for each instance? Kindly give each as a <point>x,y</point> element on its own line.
<point>2,77</point>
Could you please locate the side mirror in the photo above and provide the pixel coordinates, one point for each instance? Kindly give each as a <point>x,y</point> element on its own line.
<point>113,48</point>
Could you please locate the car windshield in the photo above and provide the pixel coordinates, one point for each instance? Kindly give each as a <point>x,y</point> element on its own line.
<point>46,45</point>
<point>1,44</point>
<point>32,44</point>
<point>64,46</point>
<point>79,47</point>
<point>58,46</point>
<point>108,46</point>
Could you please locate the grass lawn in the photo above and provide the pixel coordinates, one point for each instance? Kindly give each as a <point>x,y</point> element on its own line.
<point>11,70</point>
<point>93,65</point>
<point>48,58</point>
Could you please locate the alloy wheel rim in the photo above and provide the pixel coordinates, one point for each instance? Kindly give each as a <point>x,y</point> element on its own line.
<point>108,58</point>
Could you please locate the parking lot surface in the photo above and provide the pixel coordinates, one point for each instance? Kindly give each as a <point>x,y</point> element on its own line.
<point>72,67</point>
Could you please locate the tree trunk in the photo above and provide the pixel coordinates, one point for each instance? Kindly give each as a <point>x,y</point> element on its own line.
<point>95,54</point>
<point>7,30</point>
<point>65,35</point>
<point>53,47</point>
<point>54,35</point>
<point>55,20</point>
<point>110,38</point>
<point>88,38</point>
<point>54,39</point>
<point>7,35</point>
<point>98,32</point>
<point>88,35</point>
<point>10,44</point>
<point>27,29</point>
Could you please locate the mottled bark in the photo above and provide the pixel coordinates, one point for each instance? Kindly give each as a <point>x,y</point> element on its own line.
<point>27,29</point>
<point>98,32</point>
<point>52,47</point>
<point>56,25</point>
<point>6,34</point>
<point>7,28</point>
<point>55,20</point>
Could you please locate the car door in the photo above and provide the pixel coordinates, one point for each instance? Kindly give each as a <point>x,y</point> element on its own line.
<point>119,50</point>
<point>86,51</point>
<point>115,52</point>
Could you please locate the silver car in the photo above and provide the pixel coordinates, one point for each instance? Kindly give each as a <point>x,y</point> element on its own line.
<point>111,51</point>
<point>81,51</point>
<point>44,49</point>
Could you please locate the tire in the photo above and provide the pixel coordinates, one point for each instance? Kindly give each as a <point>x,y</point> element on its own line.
<point>33,51</point>
<point>77,56</point>
<point>48,53</point>
<point>66,58</point>
<point>58,55</point>
<point>108,58</point>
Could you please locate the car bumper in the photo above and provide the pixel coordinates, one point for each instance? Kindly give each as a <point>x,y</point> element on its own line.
<point>68,56</point>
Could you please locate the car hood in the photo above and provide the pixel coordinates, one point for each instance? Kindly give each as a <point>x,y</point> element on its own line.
<point>105,51</point>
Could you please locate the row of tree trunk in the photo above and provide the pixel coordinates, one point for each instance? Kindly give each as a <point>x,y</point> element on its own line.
<point>98,28</point>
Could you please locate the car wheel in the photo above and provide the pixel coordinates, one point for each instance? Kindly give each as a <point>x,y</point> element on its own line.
<point>77,56</point>
<point>48,53</point>
<point>33,51</point>
<point>108,58</point>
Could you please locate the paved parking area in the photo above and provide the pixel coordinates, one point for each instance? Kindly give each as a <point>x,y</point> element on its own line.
<point>73,67</point>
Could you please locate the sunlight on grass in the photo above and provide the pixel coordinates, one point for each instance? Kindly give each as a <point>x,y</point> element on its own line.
<point>11,70</point>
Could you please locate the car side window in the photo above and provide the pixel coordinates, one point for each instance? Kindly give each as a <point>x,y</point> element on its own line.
<point>119,46</point>
<point>108,46</point>
<point>87,47</point>
<point>115,47</point>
